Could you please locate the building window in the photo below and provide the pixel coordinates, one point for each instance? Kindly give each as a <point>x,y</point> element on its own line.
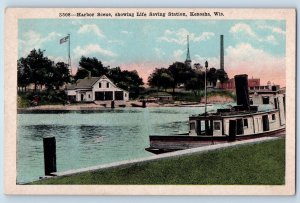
<point>192,126</point>
<point>217,126</point>
<point>265,100</point>
<point>89,96</point>
<point>125,95</point>
<point>273,117</point>
<point>99,84</point>
<point>245,123</point>
<point>107,85</point>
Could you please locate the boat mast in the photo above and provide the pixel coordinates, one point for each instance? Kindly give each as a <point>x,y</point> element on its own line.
<point>205,90</point>
<point>206,65</point>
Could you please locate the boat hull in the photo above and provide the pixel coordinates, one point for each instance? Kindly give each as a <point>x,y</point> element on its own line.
<point>163,144</point>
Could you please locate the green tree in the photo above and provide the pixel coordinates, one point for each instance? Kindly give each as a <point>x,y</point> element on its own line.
<point>180,73</point>
<point>128,80</point>
<point>196,82</point>
<point>212,76</point>
<point>222,75</point>
<point>24,74</point>
<point>34,68</point>
<point>161,78</point>
<point>81,73</point>
<point>93,65</point>
<point>57,76</point>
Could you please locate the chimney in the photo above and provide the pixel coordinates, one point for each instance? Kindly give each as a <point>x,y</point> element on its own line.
<point>221,52</point>
<point>242,92</point>
<point>90,75</point>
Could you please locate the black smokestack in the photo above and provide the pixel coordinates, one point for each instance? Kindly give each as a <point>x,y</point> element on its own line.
<point>221,52</point>
<point>242,92</point>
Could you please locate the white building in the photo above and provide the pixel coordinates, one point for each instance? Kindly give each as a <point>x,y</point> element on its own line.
<point>92,89</point>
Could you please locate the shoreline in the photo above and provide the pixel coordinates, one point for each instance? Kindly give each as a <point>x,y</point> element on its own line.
<point>107,105</point>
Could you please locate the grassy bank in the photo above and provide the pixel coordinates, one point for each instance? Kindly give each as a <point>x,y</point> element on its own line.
<point>189,96</point>
<point>261,163</point>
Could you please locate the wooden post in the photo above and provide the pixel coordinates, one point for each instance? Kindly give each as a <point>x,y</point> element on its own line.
<point>49,155</point>
<point>112,104</point>
<point>144,104</point>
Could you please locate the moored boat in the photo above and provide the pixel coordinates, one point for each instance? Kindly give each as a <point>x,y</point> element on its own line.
<point>259,112</point>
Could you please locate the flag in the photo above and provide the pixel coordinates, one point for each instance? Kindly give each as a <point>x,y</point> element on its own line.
<point>63,40</point>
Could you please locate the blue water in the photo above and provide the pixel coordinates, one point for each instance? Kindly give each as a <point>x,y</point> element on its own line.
<point>86,139</point>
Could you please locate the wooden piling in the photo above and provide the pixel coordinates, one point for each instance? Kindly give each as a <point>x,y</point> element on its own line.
<point>49,155</point>
<point>112,104</point>
<point>144,104</point>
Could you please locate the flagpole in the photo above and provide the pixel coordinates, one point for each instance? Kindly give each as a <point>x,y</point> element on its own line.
<point>69,61</point>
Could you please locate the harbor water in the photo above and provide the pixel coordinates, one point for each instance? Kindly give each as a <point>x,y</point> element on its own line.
<point>89,138</point>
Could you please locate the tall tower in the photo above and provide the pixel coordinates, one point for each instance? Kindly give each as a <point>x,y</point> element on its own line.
<point>221,52</point>
<point>188,61</point>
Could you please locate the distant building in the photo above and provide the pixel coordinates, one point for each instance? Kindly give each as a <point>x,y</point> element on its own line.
<point>92,89</point>
<point>230,84</point>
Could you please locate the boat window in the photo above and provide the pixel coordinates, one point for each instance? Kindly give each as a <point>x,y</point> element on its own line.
<point>192,126</point>
<point>275,103</point>
<point>265,100</point>
<point>239,127</point>
<point>251,101</point>
<point>245,123</point>
<point>217,125</point>
<point>273,117</point>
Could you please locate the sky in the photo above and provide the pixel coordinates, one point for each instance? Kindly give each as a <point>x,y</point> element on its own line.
<point>253,47</point>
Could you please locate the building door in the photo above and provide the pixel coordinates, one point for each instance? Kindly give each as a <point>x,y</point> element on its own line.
<point>265,122</point>
<point>99,96</point>
<point>108,95</point>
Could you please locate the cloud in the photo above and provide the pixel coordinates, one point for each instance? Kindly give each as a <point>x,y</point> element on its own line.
<point>203,37</point>
<point>247,30</point>
<point>76,22</point>
<point>244,58</point>
<point>92,49</point>
<point>58,59</point>
<point>180,36</point>
<point>91,28</point>
<point>159,52</point>
<point>244,28</point>
<point>120,42</point>
<point>177,54</point>
<point>271,39</point>
<point>125,32</point>
<point>212,61</point>
<point>276,30</point>
<point>34,40</point>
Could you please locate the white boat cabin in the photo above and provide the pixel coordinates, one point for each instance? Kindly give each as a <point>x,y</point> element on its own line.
<point>265,117</point>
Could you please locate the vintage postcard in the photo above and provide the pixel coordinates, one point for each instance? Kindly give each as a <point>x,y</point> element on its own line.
<point>160,101</point>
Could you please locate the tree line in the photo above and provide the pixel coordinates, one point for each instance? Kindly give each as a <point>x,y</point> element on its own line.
<point>39,70</point>
<point>179,74</point>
